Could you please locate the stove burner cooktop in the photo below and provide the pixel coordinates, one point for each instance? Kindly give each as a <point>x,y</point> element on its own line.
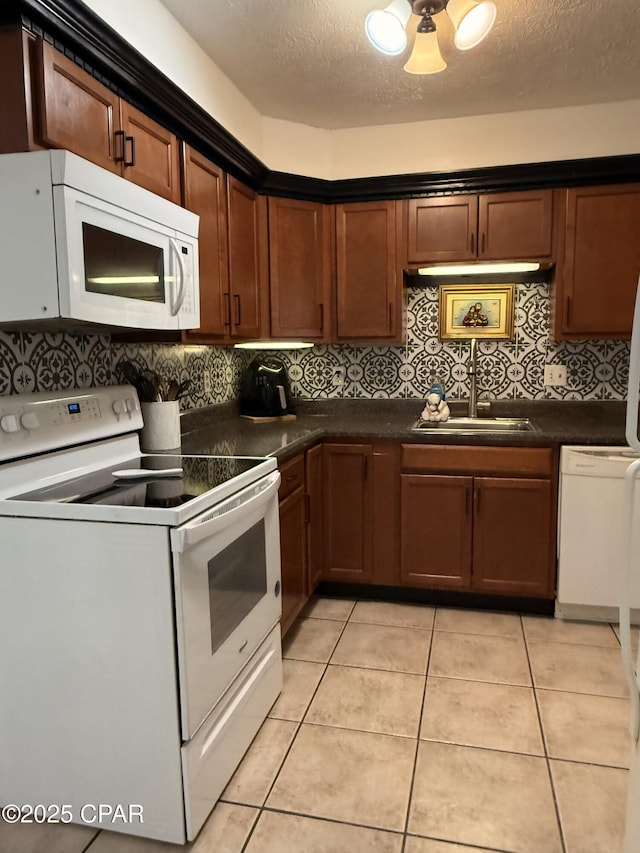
<point>200,474</point>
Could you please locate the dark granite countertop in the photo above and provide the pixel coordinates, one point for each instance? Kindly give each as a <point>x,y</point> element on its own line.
<point>218,430</point>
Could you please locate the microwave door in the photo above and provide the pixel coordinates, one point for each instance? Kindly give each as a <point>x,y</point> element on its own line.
<point>115,268</point>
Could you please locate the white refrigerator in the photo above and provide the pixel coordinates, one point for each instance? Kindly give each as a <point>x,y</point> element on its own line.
<point>628,569</point>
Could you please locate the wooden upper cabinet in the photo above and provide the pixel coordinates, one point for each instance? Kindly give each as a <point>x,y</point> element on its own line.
<point>515,226</point>
<point>59,105</point>
<point>75,111</point>
<point>151,154</point>
<point>499,226</point>
<point>596,283</point>
<point>442,229</point>
<point>247,254</point>
<point>300,269</point>
<point>368,277</point>
<point>205,193</point>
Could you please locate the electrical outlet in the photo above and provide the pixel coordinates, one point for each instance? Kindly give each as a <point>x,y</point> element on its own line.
<point>337,376</point>
<point>207,382</point>
<point>555,374</point>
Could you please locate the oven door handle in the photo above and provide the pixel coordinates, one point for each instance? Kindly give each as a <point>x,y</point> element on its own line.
<point>216,519</point>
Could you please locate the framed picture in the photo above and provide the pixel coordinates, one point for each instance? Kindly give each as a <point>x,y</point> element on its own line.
<point>476,311</point>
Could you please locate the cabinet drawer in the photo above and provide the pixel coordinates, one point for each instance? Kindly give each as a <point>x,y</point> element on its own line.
<point>292,476</point>
<point>458,459</point>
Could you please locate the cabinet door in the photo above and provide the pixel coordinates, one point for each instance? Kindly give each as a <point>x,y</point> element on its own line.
<point>512,540</point>
<point>314,480</point>
<point>299,267</point>
<point>245,262</point>
<point>442,229</point>
<point>151,155</point>
<point>596,285</point>
<point>436,531</point>
<point>205,194</point>
<point>367,277</point>
<point>515,226</point>
<point>75,111</point>
<point>293,556</point>
<point>347,512</point>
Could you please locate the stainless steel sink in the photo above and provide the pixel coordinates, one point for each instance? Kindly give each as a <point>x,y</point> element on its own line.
<point>473,425</point>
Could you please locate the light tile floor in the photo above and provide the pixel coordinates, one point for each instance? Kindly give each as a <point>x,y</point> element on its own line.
<point>416,729</point>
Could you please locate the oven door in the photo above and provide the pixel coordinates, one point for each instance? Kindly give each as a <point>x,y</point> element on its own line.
<point>227,585</point>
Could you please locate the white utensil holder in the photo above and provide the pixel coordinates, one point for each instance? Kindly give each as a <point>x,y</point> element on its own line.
<point>161,430</point>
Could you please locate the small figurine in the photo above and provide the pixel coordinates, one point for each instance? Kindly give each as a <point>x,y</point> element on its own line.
<point>436,408</point>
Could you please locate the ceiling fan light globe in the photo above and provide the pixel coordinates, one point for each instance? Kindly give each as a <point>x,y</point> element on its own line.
<point>472,21</point>
<point>385,28</point>
<point>425,57</point>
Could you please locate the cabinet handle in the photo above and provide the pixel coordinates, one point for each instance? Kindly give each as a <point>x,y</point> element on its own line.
<point>482,244</point>
<point>467,503</point>
<point>321,311</point>
<point>478,490</point>
<point>473,243</point>
<point>390,316</point>
<point>227,301</point>
<point>119,137</point>
<point>366,468</point>
<point>236,300</point>
<point>568,312</point>
<point>132,160</point>
<point>307,508</point>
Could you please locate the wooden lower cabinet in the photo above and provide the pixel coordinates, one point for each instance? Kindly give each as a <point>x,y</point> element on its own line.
<point>476,532</point>
<point>315,529</point>
<point>347,512</point>
<point>293,540</point>
<point>512,536</point>
<point>436,531</point>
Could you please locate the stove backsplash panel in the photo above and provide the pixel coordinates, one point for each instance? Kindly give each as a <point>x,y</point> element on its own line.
<point>596,370</point>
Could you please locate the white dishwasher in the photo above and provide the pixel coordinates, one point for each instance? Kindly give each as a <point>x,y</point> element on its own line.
<point>590,533</point>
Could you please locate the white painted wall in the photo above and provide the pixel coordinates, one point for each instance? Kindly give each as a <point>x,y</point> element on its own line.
<point>430,146</point>
<point>297,148</point>
<point>492,140</point>
<point>156,34</point>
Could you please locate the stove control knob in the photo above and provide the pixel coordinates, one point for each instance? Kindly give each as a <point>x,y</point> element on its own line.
<point>119,407</point>
<point>132,404</point>
<point>9,423</point>
<point>30,420</point>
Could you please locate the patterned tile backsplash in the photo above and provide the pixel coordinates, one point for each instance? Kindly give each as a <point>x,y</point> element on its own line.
<point>596,370</point>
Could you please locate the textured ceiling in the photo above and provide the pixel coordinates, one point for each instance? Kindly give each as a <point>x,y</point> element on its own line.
<point>309,61</point>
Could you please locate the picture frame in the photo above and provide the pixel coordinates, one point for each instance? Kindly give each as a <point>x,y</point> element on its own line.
<point>476,311</point>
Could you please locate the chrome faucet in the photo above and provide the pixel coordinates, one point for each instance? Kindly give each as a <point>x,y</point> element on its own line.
<point>472,371</point>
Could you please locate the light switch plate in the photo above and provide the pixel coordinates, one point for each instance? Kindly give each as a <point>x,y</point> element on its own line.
<point>555,374</point>
<point>337,376</point>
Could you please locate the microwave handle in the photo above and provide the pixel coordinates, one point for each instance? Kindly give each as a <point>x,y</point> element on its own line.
<point>199,529</point>
<point>182,292</point>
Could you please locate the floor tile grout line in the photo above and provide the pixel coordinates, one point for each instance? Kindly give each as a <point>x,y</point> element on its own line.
<point>415,760</point>
<point>300,722</point>
<point>339,820</point>
<point>556,806</point>
<point>91,842</point>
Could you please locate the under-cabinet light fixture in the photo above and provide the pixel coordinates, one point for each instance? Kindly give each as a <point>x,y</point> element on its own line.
<point>387,29</point>
<point>475,269</point>
<point>274,345</point>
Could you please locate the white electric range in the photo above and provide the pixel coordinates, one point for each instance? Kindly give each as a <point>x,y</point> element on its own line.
<point>139,608</point>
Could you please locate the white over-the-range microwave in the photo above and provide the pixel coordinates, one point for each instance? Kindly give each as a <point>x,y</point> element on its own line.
<point>80,245</point>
